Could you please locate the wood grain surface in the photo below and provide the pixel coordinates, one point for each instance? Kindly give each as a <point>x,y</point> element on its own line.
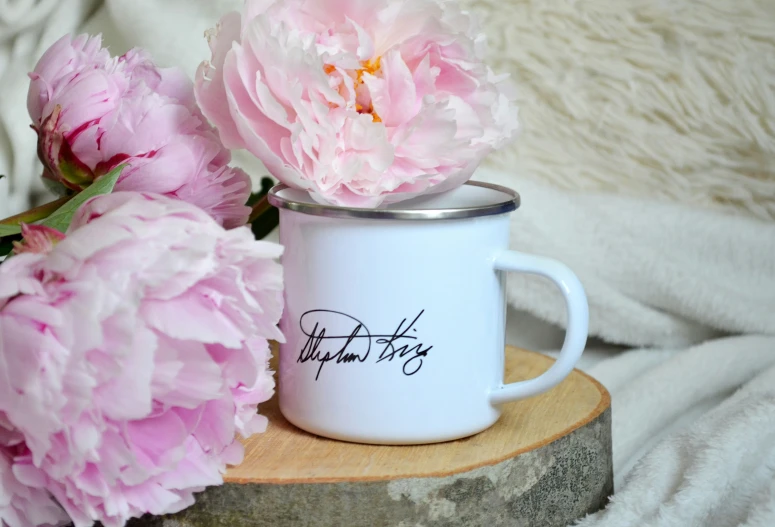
<point>285,454</point>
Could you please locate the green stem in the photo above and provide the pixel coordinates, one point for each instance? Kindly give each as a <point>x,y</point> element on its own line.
<point>259,209</point>
<point>36,214</point>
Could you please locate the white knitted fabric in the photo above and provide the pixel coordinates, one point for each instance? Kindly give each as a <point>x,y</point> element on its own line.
<point>670,99</point>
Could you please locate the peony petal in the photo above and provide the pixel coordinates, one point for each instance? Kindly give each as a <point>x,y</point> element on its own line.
<point>109,396</point>
<point>22,505</point>
<point>210,88</point>
<point>185,374</point>
<point>93,113</point>
<point>37,239</point>
<point>192,316</point>
<point>197,469</point>
<point>301,80</point>
<point>369,140</point>
<point>216,426</point>
<point>394,95</point>
<point>157,440</point>
<point>128,395</point>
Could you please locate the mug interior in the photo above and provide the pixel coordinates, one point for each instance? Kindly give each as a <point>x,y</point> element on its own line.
<point>472,199</point>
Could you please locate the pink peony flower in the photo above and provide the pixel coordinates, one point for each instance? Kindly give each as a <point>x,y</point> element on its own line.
<point>131,353</point>
<point>93,112</point>
<point>21,505</point>
<point>37,239</point>
<point>358,102</point>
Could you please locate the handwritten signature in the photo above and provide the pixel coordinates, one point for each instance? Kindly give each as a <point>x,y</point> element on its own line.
<point>356,344</point>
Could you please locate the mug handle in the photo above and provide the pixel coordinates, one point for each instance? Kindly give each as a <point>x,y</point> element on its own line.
<point>577,328</point>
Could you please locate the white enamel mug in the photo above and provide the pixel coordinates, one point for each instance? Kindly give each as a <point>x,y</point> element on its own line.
<point>395,318</point>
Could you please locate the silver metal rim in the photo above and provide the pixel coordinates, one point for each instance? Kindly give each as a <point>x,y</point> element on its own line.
<point>333,211</point>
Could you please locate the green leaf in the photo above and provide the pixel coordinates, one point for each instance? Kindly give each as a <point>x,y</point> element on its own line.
<point>254,198</point>
<point>6,244</point>
<point>61,219</point>
<point>265,223</point>
<point>8,234</point>
<point>9,230</point>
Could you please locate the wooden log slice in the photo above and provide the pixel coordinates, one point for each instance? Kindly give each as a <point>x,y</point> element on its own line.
<point>546,462</point>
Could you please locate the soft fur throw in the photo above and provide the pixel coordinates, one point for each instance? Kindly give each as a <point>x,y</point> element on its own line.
<point>670,99</point>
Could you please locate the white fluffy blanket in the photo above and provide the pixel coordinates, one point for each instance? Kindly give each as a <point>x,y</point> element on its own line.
<point>669,279</point>
<point>665,99</point>
<point>646,165</point>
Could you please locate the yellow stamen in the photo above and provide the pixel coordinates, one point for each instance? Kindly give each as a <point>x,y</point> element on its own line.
<point>371,66</point>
